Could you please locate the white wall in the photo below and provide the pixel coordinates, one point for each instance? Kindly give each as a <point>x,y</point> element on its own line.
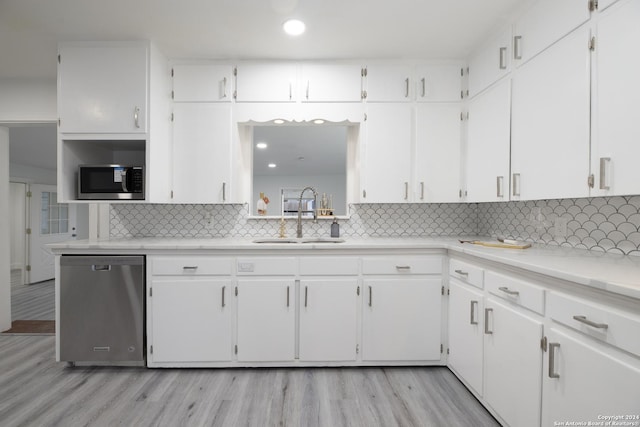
<point>28,101</point>
<point>31,174</point>
<point>17,208</point>
<point>5,255</point>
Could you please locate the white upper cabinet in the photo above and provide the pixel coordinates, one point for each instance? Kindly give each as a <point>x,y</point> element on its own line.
<point>488,140</point>
<point>331,82</point>
<point>202,82</point>
<point>102,87</point>
<point>267,82</point>
<point>603,4</point>
<point>490,62</point>
<point>550,122</point>
<point>439,83</point>
<point>615,129</point>
<point>388,83</point>
<point>545,22</point>
<point>438,155</point>
<point>201,153</point>
<point>387,160</point>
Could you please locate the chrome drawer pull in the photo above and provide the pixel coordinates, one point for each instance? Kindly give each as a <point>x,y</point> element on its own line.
<point>486,321</point>
<point>190,267</point>
<point>508,291</point>
<point>472,317</point>
<point>583,319</point>
<point>462,273</point>
<point>403,267</point>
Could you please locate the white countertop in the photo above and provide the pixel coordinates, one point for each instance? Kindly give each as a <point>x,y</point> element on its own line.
<point>610,272</point>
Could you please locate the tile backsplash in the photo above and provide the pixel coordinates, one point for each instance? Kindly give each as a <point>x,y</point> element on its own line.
<point>610,224</point>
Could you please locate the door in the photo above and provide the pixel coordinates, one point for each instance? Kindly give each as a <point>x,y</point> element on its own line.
<point>50,222</point>
<point>18,225</point>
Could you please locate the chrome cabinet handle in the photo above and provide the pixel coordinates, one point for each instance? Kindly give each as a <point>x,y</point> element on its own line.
<point>406,190</point>
<point>517,41</point>
<point>605,164</point>
<point>224,87</point>
<point>461,272</point>
<point>224,191</point>
<point>136,115</point>
<point>500,186</point>
<point>552,360</point>
<point>403,267</point>
<point>516,184</point>
<point>287,296</point>
<point>100,268</point>
<point>472,318</point>
<point>305,295</point>
<point>583,319</point>
<point>508,291</point>
<point>503,58</point>
<point>486,321</point>
<point>307,89</point>
<point>424,87</point>
<point>422,190</point>
<point>370,297</point>
<point>223,289</point>
<point>290,91</point>
<point>406,87</point>
<point>190,267</point>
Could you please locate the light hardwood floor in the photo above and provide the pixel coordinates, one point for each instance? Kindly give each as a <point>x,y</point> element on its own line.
<point>37,391</point>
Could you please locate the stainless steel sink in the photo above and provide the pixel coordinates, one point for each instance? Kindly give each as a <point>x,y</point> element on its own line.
<point>301,240</point>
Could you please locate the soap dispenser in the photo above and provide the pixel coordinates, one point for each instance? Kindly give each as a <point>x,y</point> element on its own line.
<point>335,228</point>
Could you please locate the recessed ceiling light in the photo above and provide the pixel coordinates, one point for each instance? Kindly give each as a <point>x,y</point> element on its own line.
<point>278,121</point>
<point>318,121</point>
<point>261,145</point>
<point>294,27</point>
<point>272,165</point>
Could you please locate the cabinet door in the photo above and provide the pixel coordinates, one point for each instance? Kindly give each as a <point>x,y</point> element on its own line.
<point>587,381</point>
<point>488,144</point>
<point>402,319</point>
<point>438,154</point>
<point>102,88</point>
<point>512,364</point>
<point>266,320</point>
<point>550,122</point>
<point>331,83</point>
<point>490,62</point>
<point>389,83</point>
<point>191,320</point>
<point>387,167</point>
<point>615,149</point>
<point>328,311</point>
<point>465,334</point>
<point>545,22</point>
<point>202,83</point>
<point>266,82</point>
<point>201,152</point>
<point>439,83</point>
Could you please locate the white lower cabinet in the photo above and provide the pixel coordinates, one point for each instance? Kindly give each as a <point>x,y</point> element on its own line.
<point>466,306</point>
<point>191,320</point>
<point>585,381</point>
<point>328,319</point>
<point>402,319</point>
<point>266,320</point>
<point>512,363</point>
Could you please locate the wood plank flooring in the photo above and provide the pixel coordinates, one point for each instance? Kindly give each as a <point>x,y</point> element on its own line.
<point>35,390</point>
<point>33,302</point>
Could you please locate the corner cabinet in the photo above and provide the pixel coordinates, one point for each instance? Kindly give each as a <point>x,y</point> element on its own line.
<point>402,309</point>
<point>103,87</point>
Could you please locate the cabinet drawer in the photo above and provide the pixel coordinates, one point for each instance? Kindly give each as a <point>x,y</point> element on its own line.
<point>329,266</point>
<point>616,327</point>
<point>266,266</point>
<point>409,264</point>
<point>517,291</point>
<point>190,265</point>
<point>467,273</point>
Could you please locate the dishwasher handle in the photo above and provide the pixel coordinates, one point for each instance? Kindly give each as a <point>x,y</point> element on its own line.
<point>104,267</point>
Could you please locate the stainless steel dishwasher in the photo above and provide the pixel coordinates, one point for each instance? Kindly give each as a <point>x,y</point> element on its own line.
<point>102,308</point>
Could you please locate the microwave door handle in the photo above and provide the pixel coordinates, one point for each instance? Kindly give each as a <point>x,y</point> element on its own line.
<point>124,181</point>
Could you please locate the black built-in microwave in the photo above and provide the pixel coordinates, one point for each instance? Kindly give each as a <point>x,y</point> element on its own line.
<point>110,182</point>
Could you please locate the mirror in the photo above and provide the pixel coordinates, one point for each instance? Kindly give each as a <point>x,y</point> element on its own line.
<point>289,157</point>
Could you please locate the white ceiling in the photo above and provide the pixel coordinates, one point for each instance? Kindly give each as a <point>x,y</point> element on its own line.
<point>239,29</point>
<point>33,145</point>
